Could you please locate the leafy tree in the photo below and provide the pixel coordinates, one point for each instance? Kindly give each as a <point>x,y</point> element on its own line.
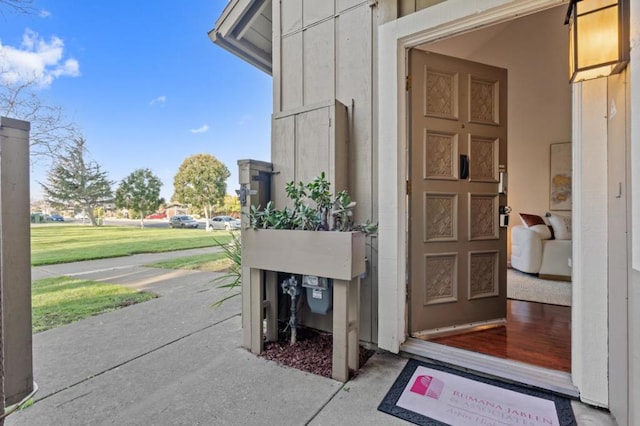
<point>140,193</point>
<point>74,182</point>
<point>230,205</point>
<point>200,182</point>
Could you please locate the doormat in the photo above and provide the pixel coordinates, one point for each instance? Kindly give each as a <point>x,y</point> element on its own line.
<point>429,394</point>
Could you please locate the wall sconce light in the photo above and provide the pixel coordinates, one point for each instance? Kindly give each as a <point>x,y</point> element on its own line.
<point>598,38</point>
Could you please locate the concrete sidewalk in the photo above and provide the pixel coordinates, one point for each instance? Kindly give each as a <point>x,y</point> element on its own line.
<point>175,360</point>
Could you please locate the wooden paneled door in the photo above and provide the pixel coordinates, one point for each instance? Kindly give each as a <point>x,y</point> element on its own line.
<point>457,151</point>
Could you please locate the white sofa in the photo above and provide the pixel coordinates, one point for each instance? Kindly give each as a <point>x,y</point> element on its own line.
<point>533,251</point>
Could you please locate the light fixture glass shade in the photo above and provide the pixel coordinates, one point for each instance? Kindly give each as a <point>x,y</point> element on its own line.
<point>598,39</point>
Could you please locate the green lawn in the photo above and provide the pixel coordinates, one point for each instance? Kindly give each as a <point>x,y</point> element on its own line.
<point>212,262</point>
<point>70,243</point>
<point>62,300</point>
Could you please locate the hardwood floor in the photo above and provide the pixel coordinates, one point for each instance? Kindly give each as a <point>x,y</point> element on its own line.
<point>535,333</point>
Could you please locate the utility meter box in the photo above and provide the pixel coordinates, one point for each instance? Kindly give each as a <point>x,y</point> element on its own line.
<point>319,292</point>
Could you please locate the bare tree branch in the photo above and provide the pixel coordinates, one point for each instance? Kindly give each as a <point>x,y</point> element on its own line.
<point>18,6</point>
<point>51,132</point>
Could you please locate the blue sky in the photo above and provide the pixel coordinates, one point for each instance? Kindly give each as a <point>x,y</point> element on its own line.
<point>143,82</point>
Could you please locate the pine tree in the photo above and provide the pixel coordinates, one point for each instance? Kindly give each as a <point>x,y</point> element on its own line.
<point>77,183</point>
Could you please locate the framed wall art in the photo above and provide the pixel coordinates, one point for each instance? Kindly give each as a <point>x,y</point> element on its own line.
<point>560,176</point>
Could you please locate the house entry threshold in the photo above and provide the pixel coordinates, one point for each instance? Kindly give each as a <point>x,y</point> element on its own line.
<point>515,371</point>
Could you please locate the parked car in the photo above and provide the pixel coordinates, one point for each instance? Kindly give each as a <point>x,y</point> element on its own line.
<point>156,216</point>
<point>183,221</point>
<point>82,215</point>
<point>56,218</point>
<point>224,222</point>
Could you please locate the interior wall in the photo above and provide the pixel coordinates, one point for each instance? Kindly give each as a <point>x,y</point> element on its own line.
<point>539,97</point>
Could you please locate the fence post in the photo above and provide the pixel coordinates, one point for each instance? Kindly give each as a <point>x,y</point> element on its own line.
<point>16,366</point>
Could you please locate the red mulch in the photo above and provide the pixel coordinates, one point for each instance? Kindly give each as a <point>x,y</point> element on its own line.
<point>312,353</point>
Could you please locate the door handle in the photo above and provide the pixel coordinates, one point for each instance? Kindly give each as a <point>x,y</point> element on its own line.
<point>464,166</point>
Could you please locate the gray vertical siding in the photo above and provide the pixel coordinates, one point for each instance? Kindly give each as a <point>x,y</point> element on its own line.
<point>322,53</point>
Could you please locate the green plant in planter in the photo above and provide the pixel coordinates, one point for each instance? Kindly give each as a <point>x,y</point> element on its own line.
<point>314,209</point>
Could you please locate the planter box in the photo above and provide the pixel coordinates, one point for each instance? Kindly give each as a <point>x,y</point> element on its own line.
<point>337,255</point>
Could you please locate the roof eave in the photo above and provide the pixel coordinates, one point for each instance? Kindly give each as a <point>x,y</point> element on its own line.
<point>231,27</point>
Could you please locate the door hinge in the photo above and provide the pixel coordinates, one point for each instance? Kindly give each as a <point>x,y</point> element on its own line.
<point>408,82</point>
<point>408,187</point>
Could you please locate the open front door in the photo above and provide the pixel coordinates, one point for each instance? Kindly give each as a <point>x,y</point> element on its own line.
<point>458,148</point>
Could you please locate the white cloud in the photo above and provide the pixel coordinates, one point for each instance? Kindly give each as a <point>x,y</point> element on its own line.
<point>36,60</point>
<point>203,129</point>
<point>44,13</point>
<point>159,100</point>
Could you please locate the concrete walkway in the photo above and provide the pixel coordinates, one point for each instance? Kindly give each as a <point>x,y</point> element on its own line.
<point>175,360</point>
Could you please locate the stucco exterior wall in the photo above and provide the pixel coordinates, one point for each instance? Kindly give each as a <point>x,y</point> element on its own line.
<point>634,215</point>
<point>590,310</point>
<point>634,346</point>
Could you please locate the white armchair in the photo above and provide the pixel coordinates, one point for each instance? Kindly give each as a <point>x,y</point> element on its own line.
<point>526,250</point>
<point>531,252</point>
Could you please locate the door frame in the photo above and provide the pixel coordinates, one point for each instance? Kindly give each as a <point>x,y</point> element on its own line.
<point>446,19</point>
